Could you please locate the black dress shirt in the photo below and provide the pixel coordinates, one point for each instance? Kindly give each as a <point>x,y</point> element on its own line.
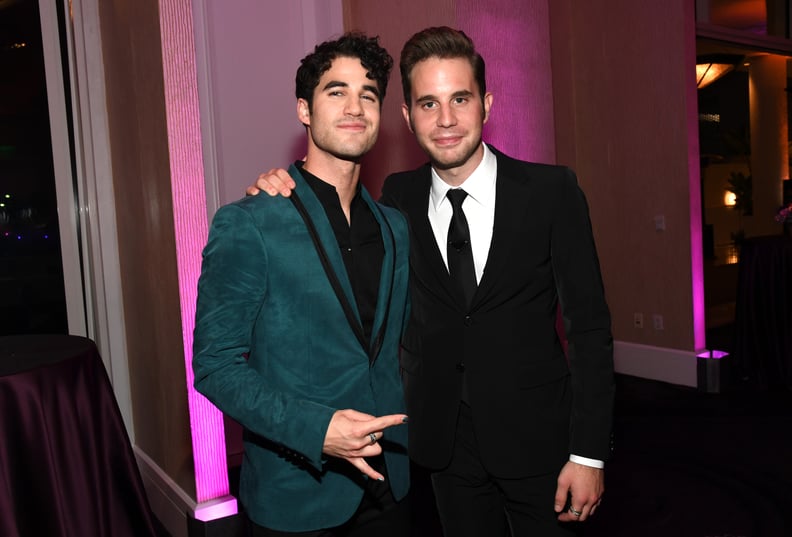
<point>360,242</point>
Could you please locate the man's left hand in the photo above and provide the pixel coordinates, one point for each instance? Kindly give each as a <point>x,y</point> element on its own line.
<point>583,486</point>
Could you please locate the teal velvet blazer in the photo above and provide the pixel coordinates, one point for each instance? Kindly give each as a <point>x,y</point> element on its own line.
<point>274,350</point>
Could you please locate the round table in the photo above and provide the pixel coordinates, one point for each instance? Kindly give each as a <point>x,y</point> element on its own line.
<point>67,467</point>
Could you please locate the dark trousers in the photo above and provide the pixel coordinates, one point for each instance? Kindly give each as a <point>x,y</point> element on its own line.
<point>377,515</point>
<point>473,503</point>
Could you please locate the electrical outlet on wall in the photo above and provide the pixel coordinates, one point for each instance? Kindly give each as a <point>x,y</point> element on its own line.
<point>637,320</point>
<point>657,321</point>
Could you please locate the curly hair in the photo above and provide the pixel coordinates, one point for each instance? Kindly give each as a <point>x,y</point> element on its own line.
<point>373,57</point>
<point>440,42</point>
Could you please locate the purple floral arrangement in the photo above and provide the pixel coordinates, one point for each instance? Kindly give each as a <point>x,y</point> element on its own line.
<point>784,213</point>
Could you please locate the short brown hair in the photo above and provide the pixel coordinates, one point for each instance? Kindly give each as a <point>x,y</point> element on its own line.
<point>440,42</point>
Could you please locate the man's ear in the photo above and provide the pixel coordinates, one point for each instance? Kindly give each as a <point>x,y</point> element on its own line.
<point>303,112</point>
<point>487,105</point>
<point>406,114</point>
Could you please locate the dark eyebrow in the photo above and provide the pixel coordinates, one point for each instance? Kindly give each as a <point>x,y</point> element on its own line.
<point>338,84</point>
<point>335,84</point>
<point>460,93</point>
<point>425,98</point>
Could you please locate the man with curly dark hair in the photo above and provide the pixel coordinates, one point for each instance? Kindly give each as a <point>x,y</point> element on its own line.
<point>301,305</point>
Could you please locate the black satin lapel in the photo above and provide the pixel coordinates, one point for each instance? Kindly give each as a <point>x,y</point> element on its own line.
<point>349,311</point>
<point>385,293</point>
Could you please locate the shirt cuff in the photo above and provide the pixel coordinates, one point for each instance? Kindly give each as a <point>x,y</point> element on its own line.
<point>585,461</point>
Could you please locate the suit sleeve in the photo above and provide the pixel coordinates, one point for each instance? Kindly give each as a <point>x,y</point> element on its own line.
<point>587,323</point>
<point>231,295</point>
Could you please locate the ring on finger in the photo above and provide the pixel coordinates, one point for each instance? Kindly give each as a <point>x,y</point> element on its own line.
<point>373,438</point>
<point>575,511</point>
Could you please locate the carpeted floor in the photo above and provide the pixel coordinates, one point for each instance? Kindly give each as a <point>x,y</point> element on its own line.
<point>686,463</point>
<point>693,464</point>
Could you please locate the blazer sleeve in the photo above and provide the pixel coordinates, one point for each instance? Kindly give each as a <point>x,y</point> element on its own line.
<point>587,321</point>
<point>231,295</point>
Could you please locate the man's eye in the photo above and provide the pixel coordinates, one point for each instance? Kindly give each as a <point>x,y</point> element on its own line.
<point>460,100</point>
<point>335,93</point>
<point>429,105</point>
<point>370,98</point>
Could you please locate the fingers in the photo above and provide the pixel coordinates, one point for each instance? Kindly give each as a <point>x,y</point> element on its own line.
<point>353,435</point>
<point>579,513</point>
<point>583,487</point>
<point>579,509</point>
<point>274,182</point>
<point>383,422</point>
<point>361,464</point>
<point>573,514</point>
<point>561,495</point>
<point>371,431</point>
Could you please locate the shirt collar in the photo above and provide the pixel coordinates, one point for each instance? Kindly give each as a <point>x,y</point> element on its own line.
<point>480,185</point>
<point>323,190</point>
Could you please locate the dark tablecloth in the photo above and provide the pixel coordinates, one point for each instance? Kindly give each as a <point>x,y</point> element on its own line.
<point>763,318</point>
<point>66,464</point>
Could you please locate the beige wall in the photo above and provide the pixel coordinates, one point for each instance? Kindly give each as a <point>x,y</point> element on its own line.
<point>622,89</point>
<point>147,251</point>
<point>622,102</point>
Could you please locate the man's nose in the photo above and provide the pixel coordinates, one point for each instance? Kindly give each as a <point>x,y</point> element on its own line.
<point>446,117</point>
<point>353,107</point>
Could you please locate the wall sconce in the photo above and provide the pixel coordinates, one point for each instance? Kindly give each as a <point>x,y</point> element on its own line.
<point>711,67</point>
<point>729,198</point>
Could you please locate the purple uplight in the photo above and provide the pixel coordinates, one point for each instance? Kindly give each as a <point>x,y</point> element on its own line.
<point>712,355</point>
<point>191,228</point>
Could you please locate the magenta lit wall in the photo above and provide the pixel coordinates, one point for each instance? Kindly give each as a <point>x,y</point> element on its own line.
<point>513,36</point>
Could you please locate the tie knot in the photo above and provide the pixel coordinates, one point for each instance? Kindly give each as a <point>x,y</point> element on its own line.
<point>456,196</point>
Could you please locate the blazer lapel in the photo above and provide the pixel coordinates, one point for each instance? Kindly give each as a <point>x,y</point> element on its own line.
<point>386,276</point>
<point>508,213</point>
<point>310,208</point>
<point>426,258</point>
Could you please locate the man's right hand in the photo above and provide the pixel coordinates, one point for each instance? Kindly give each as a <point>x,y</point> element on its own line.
<point>353,435</point>
<point>274,182</point>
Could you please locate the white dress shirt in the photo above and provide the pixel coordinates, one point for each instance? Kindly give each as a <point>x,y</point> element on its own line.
<point>479,209</point>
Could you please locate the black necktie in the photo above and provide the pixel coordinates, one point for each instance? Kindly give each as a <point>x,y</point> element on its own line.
<point>460,254</point>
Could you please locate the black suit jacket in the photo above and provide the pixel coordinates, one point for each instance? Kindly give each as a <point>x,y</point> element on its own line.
<point>532,405</point>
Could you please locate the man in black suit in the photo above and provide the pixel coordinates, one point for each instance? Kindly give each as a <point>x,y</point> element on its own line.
<point>515,432</point>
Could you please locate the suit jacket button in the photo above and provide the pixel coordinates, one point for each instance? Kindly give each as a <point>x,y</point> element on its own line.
<point>468,320</point>
<point>460,367</point>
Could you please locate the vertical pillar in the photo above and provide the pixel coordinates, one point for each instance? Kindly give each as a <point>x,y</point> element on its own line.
<point>191,227</point>
<point>769,149</point>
